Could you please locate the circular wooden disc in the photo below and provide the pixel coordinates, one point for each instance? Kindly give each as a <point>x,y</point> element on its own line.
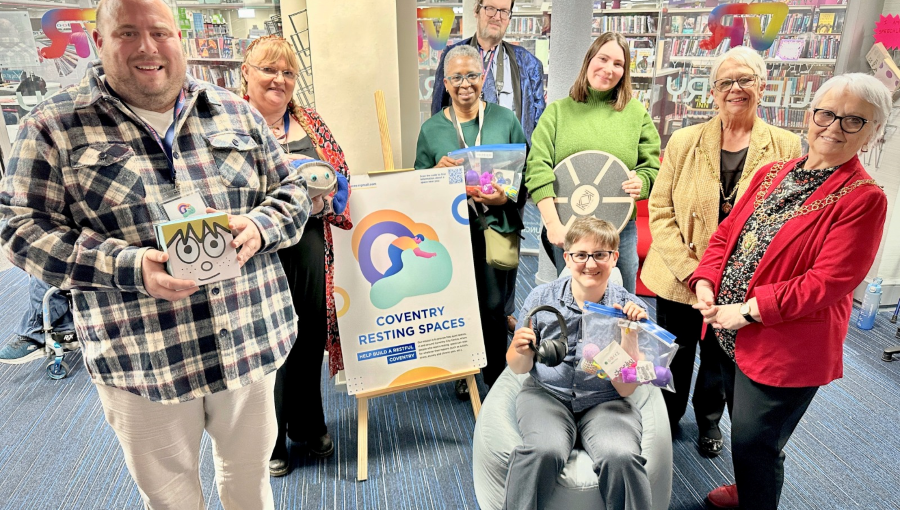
<point>589,183</point>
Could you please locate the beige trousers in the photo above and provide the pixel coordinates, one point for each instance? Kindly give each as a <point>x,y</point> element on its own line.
<point>161,443</point>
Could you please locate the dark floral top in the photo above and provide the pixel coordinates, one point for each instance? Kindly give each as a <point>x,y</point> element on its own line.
<point>790,195</point>
<point>331,152</point>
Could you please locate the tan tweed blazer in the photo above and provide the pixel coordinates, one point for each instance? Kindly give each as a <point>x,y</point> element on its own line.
<point>684,203</point>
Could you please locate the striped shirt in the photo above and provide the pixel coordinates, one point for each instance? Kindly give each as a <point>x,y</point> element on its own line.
<point>77,211</point>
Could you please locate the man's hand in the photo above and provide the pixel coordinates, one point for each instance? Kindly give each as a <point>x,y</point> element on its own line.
<point>633,185</point>
<point>159,283</point>
<point>246,236</point>
<point>447,161</point>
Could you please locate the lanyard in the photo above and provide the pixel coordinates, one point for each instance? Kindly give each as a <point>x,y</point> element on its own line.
<point>497,53</point>
<point>168,139</point>
<point>459,131</point>
<point>287,124</point>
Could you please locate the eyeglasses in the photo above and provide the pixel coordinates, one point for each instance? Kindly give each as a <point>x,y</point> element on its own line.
<point>492,11</point>
<point>457,79</point>
<point>580,257</point>
<point>849,124</point>
<point>725,84</point>
<point>271,72</point>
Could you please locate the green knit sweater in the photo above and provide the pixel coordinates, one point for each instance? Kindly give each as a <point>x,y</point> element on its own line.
<point>567,127</point>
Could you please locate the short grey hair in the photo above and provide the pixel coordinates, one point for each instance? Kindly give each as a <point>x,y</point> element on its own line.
<point>865,87</point>
<point>742,55</point>
<point>463,50</point>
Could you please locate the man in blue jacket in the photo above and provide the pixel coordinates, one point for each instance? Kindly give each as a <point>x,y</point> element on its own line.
<point>514,78</point>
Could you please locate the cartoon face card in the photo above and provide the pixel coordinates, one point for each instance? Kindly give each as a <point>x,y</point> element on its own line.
<point>199,248</point>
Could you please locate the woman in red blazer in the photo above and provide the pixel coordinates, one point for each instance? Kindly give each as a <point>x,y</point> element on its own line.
<point>777,279</point>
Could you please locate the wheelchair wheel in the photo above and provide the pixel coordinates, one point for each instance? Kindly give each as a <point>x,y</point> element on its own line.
<point>57,372</point>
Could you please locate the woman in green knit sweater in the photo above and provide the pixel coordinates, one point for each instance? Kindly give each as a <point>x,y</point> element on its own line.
<point>599,115</point>
<point>469,121</point>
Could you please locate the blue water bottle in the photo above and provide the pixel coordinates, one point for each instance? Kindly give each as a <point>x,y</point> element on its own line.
<point>870,304</point>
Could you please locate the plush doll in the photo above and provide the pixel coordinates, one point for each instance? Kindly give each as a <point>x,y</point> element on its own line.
<point>321,179</point>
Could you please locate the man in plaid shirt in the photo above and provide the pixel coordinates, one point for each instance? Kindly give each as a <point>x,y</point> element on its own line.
<point>168,358</point>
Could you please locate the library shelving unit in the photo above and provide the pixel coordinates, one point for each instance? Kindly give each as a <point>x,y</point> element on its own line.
<point>215,37</point>
<point>804,54</point>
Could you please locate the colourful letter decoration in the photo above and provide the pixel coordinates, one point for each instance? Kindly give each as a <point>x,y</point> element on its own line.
<point>759,41</point>
<point>426,17</point>
<point>77,37</point>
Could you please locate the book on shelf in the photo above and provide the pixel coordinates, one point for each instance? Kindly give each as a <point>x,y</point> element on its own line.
<point>825,23</point>
<point>644,60</point>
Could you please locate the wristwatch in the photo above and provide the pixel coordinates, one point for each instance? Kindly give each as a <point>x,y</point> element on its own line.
<point>745,311</point>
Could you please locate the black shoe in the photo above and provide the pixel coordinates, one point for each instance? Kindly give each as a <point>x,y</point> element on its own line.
<point>462,389</point>
<point>710,447</point>
<point>279,467</point>
<point>321,447</point>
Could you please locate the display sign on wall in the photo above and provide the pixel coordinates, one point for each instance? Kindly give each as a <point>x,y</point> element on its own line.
<point>405,282</point>
<point>887,31</point>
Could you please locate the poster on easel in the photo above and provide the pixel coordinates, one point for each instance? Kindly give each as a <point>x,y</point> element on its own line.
<point>405,281</point>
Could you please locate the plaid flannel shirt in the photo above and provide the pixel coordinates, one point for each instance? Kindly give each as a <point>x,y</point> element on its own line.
<point>77,211</point>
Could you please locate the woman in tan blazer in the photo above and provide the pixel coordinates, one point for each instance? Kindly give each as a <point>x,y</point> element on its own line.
<point>705,170</point>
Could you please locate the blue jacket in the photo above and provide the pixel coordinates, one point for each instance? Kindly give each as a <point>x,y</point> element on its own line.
<point>530,79</point>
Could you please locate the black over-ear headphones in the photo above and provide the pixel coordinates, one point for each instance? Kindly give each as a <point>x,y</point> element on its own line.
<point>550,352</point>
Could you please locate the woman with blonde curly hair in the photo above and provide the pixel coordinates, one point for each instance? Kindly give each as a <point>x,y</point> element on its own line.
<point>268,77</point>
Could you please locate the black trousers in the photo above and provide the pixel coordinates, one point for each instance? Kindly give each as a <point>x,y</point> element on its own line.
<point>763,421</point>
<point>709,394</point>
<point>298,383</point>
<point>494,287</point>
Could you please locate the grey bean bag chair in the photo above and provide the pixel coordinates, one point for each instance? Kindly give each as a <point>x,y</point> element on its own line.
<point>497,434</point>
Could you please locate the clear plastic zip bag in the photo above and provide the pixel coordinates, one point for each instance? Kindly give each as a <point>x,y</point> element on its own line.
<point>626,351</point>
<point>486,165</point>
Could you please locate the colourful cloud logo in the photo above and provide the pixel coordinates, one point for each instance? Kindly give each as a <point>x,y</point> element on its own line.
<point>400,258</point>
<point>752,13</point>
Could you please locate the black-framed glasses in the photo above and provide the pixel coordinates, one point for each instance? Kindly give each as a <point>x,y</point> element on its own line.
<point>849,124</point>
<point>492,11</point>
<point>725,84</point>
<point>271,72</point>
<point>457,79</point>
<point>580,257</point>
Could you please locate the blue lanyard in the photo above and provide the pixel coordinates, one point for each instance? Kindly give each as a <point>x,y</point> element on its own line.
<point>168,139</point>
<point>287,124</point>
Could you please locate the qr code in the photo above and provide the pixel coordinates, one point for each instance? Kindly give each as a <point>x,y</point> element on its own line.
<point>456,175</point>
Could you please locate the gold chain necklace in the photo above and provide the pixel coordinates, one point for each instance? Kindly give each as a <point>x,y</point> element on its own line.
<point>750,238</point>
<point>726,201</point>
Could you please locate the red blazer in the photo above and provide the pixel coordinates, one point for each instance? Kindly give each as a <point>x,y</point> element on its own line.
<point>805,280</point>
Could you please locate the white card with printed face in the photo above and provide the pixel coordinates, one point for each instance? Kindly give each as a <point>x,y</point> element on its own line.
<point>185,207</point>
<point>613,359</point>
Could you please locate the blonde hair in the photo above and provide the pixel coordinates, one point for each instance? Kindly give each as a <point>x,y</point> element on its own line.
<point>589,227</point>
<point>622,90</point>
<point>268,50</point>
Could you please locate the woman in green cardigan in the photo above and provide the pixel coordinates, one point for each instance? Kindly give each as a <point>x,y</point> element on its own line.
<point>599,115</point>
<point>469,121</point>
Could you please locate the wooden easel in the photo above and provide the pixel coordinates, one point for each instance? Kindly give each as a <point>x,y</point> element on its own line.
<point>362,399</point>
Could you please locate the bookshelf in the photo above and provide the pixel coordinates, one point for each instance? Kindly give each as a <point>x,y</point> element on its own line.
<point>804,54</point>
<point>670,71</point>
<point>215,38</point>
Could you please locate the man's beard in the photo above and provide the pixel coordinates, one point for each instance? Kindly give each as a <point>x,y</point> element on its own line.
<point>489,37</point>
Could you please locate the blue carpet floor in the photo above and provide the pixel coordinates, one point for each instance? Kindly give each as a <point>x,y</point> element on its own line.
<point>56,450</point>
